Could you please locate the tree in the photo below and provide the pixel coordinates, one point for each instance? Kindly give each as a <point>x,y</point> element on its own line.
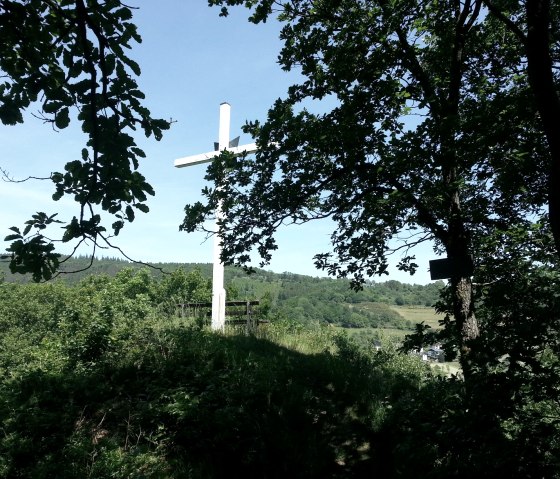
<point>66,56</point>
<point>535,26</point>
<point>429,128</point>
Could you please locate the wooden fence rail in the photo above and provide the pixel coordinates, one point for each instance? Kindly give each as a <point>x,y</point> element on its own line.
<point>233,308</point>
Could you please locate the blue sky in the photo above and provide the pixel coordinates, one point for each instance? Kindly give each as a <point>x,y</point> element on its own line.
<point>192,60</point>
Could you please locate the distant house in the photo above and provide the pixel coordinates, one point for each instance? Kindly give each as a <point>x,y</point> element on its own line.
<point>376,345</point>
<point>432,353</point>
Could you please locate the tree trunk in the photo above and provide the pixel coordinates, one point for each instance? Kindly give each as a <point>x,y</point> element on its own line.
<point>458,240</point>
<point>458,247</point>
<point>465,320</point>
<point>541,80</point>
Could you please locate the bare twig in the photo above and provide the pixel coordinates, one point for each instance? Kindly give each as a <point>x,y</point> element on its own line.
<point>8,179</point>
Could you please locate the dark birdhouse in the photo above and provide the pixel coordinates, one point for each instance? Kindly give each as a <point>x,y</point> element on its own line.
<point>451,267</point>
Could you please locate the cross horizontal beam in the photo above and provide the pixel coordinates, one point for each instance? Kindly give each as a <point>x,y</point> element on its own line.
<point>207,157</point>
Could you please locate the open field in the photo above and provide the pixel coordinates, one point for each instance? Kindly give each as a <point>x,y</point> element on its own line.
<point>417,314</point>
<point>383,334</point>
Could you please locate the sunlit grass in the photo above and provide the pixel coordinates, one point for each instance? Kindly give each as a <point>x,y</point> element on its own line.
<point>418,314</point>
<point>391,335</point>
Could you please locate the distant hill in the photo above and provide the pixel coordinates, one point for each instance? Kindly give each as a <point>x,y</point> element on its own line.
<point>77,268</point>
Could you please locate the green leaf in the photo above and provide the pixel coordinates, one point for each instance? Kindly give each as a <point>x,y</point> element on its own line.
<point>132,64</point>
<point>129,213</point>
<point>10,113</point>
<point>142,207</point>
<point>59,194</point>
<point>51,106</point>
<point>117,226</point>
<point>12,237</point>
<point>62,119</point>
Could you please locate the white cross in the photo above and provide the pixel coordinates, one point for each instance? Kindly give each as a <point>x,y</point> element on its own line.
<point>218,291</point>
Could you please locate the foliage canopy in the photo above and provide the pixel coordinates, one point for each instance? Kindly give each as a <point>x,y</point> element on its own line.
<point>429,126</point>
<point>71,56</point>
<point>414,119</point>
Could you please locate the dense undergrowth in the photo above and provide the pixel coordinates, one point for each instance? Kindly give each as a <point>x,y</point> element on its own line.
<point>102,380</point>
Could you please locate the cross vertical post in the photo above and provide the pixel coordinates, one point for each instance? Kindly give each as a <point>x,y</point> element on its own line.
<point>218,291</point>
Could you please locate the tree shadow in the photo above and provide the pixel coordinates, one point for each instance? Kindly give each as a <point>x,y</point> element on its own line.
<point>194,404</point>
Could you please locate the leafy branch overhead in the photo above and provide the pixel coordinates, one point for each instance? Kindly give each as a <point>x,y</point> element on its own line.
<point>70,58</point>
<point>429,124</point>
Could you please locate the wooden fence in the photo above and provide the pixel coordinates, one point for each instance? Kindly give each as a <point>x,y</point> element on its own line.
<point>237,312</point>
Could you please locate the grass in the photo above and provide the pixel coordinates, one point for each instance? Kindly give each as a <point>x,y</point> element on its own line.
<point>391,335</point>
<point>447,369</point>
<point>418,314</point>
<point>394,336</point>
<point>414,314</point>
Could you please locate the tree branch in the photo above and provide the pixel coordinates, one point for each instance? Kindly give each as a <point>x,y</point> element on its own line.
<point>413,64</point>
<point>6,177</point>
<point>506,21</point>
